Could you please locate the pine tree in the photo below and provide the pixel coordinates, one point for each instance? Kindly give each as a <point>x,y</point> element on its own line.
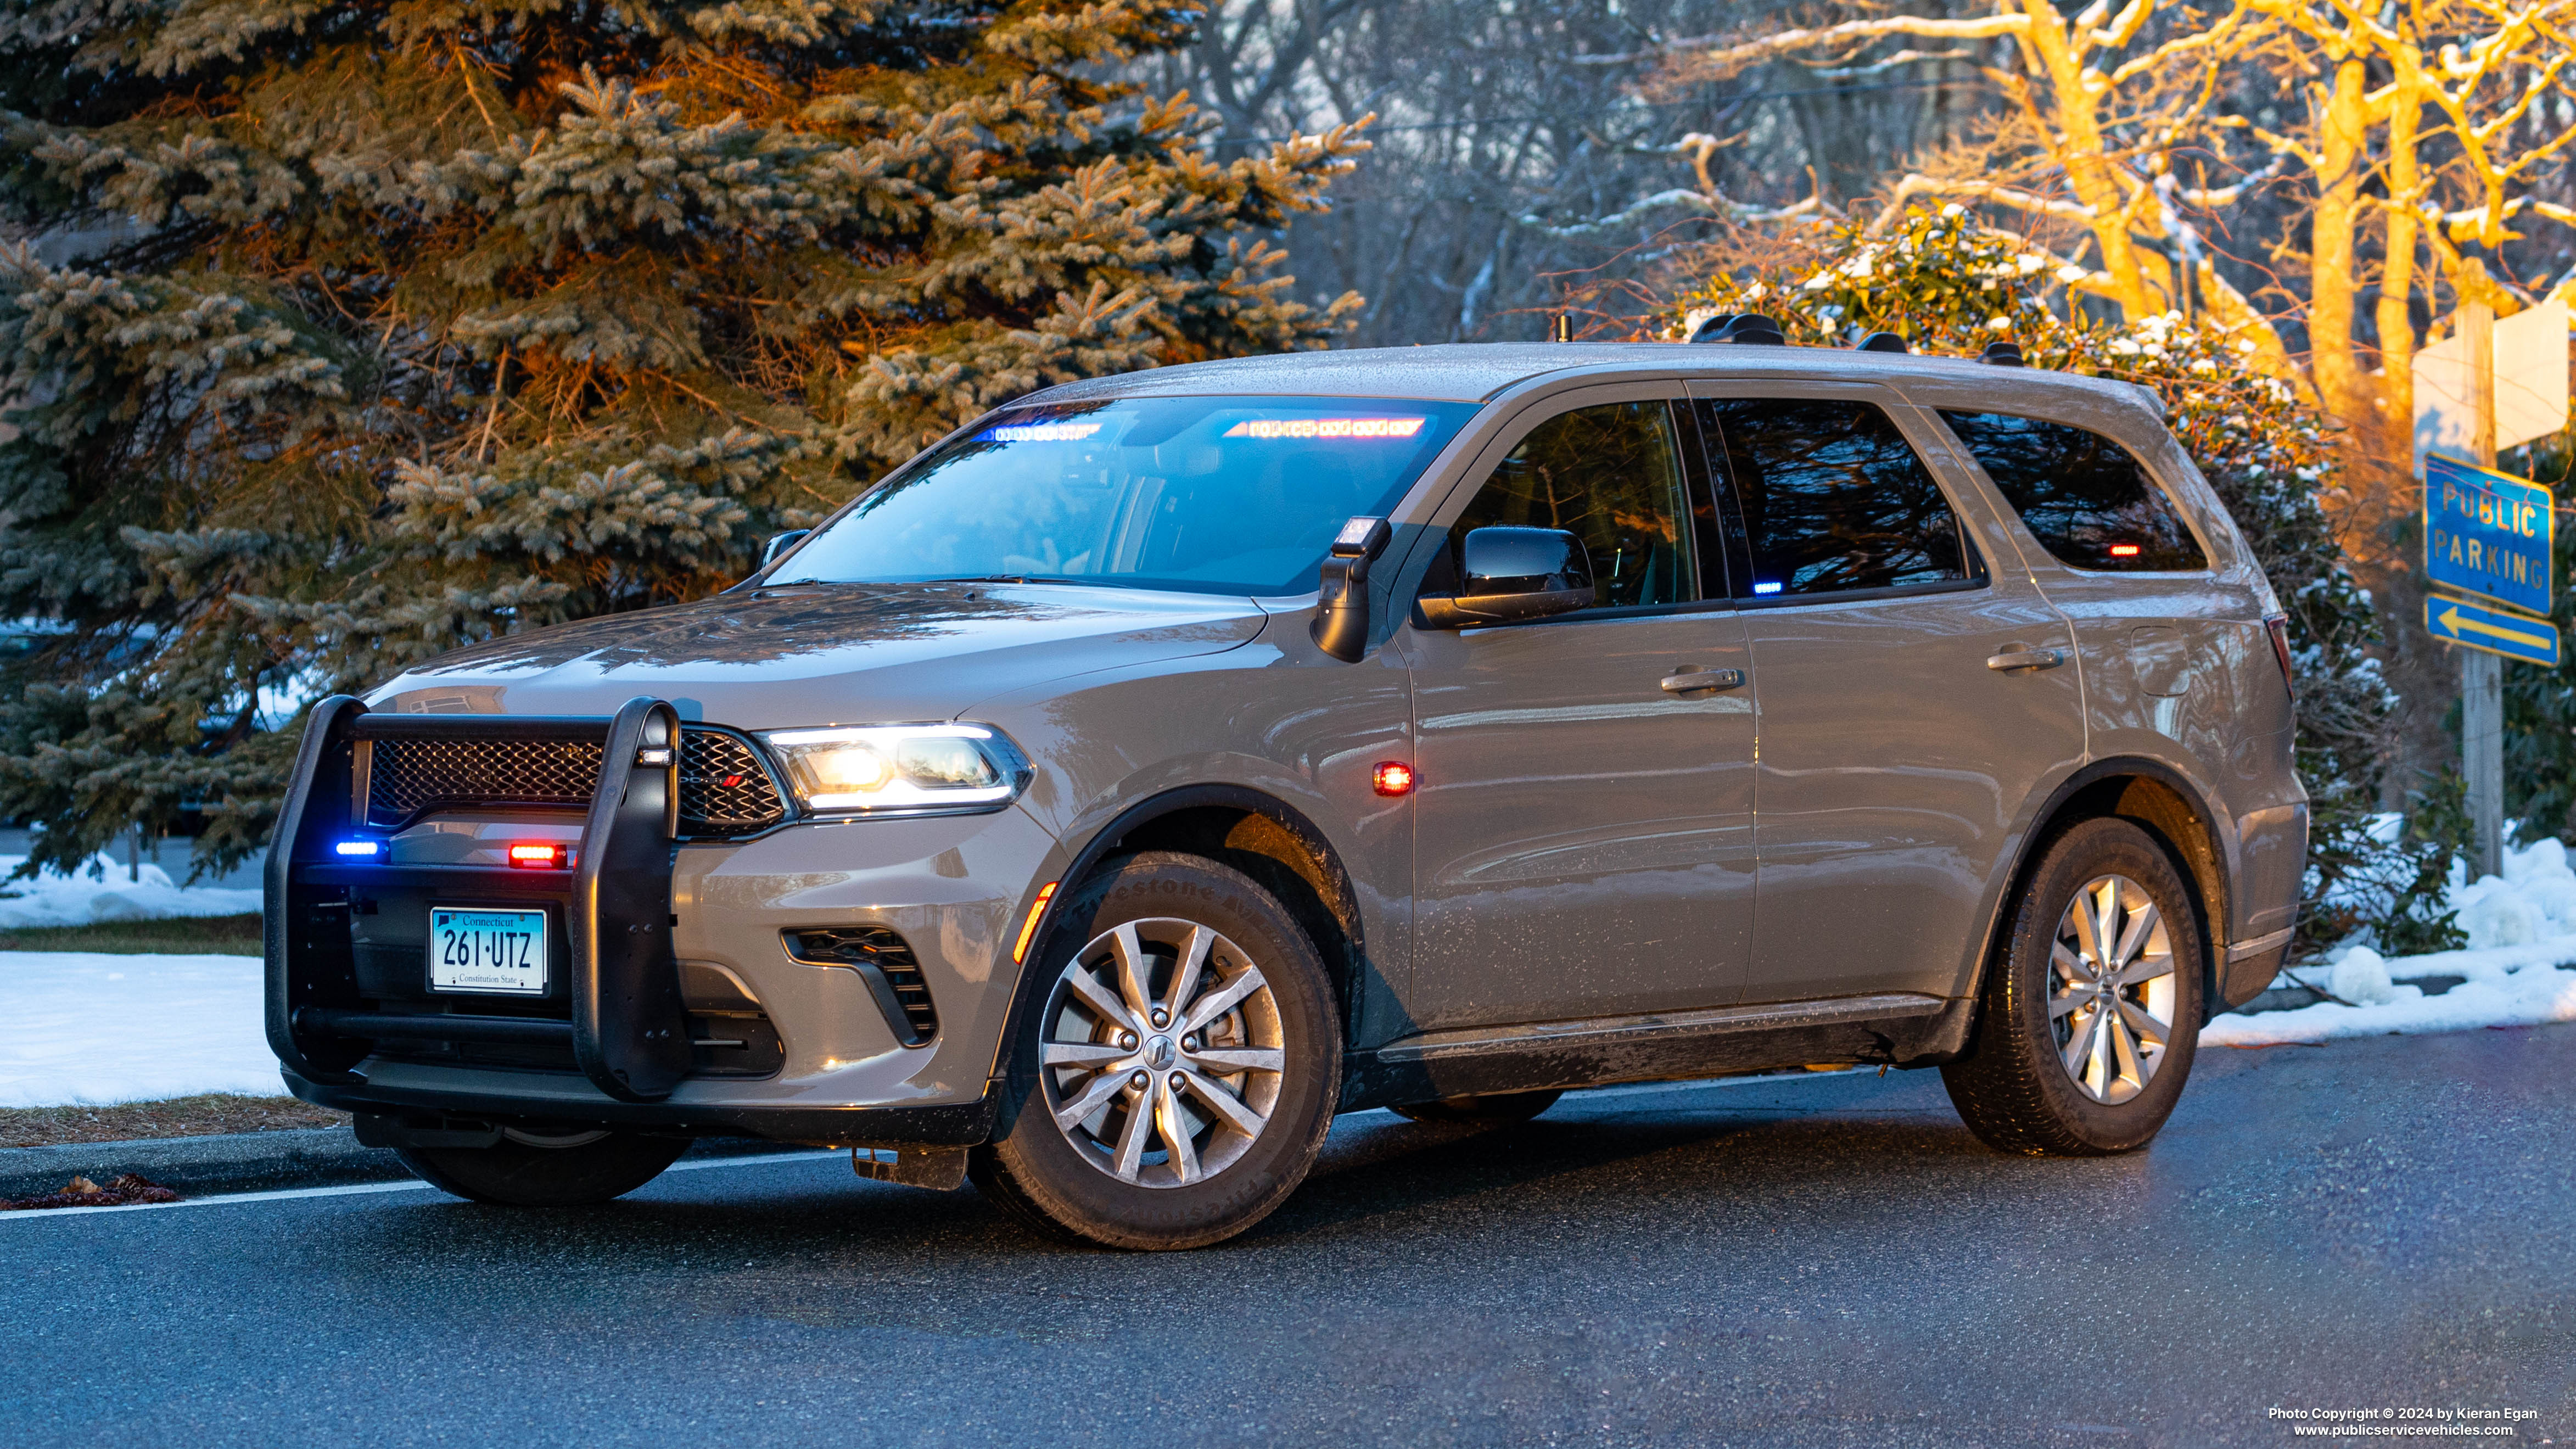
<point>373,329</point>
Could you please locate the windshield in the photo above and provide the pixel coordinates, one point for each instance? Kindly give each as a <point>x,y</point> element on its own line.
<point>1218,495</point>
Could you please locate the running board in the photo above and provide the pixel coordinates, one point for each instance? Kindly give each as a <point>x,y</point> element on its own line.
<point>1899,1028</point>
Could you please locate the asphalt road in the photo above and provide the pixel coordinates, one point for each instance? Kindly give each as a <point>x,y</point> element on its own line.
<point>2387,1223</point>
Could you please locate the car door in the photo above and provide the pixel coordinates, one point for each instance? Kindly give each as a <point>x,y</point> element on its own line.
<point>1583,840</point>
<point>1915,689</point>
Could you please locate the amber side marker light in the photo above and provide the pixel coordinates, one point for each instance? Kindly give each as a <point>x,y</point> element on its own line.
<point>528,855</point>
<point>1392,778</point>
<point>1029,927</point>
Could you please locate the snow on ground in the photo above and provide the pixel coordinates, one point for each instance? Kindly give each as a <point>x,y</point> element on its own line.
<point>79,900</point>
<point>84,1026</point>
<point>2522,932</point>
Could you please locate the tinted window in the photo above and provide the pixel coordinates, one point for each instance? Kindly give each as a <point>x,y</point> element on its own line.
<point>1832,498</point>
<point>1234,495</point>
<point>2083,496</point>
<point>1611,476</point>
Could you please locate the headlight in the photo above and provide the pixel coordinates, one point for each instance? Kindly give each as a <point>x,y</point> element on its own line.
<point>899,769</point>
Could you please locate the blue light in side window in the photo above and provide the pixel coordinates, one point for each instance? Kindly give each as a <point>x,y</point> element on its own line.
<point>1766,588</point>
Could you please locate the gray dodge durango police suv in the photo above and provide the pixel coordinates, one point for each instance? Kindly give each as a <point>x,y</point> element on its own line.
<point>1162,764</point>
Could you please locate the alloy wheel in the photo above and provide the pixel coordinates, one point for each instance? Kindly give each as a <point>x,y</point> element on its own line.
<point>1163,1054</point>
<point>2111,989</point>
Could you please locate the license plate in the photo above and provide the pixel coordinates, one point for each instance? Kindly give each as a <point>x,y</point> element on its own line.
<point>491,952</point>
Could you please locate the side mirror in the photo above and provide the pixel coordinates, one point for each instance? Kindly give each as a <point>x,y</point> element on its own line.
<point>781,543</point>
<point>1514,574</point>
<point>1341,624</point>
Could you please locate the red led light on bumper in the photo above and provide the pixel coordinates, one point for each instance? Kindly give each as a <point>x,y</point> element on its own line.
<point>539,855</point>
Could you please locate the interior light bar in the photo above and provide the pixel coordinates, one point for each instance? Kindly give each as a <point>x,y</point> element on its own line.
<point>360,849</point>
<point>1269,428</point>
<point>1038,433</point>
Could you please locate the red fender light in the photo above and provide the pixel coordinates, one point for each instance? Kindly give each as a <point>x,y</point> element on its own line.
<point>539,855</point>
<point>2278,626</point>
<point>1392,778</point>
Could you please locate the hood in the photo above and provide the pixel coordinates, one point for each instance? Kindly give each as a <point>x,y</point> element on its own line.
<point>825,654</point>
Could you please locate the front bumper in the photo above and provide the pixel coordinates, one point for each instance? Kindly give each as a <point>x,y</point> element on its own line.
<point>440,1095</point>
<point>690,932</point>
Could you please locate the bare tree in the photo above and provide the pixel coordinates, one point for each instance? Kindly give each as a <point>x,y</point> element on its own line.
<point>1513,145</point>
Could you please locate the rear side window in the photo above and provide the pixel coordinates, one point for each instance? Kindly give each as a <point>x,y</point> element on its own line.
<point>2084,497</point>
<point>1611,476</point>
<point>1832,498</point>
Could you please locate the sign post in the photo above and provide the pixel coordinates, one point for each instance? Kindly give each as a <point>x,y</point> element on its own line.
<point>2489,535</point>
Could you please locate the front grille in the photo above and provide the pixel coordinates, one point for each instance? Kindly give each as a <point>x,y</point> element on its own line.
<point>410,776</point>
<point>724,789</point>
<point>878,947</point>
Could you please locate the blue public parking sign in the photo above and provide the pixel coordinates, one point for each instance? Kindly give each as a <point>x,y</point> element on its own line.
<point>2533,641</point>
<point>2487,533</point>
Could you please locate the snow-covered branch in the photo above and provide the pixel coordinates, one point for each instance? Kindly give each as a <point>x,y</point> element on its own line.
<point>1713,53</point>
<point>1676,197</point>
<point>1917,184</point>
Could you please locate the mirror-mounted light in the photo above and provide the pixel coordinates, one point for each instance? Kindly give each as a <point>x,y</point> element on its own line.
<point>1341,625</point>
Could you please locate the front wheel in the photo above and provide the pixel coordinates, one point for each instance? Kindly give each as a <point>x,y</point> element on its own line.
<point>2090,1013</point>
<point>533,1169</point>
<point>1174,1073</point>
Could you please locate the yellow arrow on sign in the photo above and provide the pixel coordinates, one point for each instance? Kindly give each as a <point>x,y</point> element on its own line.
<point>2452,621</point>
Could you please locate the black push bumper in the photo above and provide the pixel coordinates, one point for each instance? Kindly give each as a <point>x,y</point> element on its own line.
<point>619,1015</point>
<point>625,1024</point>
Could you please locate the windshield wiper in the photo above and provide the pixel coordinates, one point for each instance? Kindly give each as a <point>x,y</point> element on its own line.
<point>1017,579</point>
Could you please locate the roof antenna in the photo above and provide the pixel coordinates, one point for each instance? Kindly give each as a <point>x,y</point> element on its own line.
<point>2001,354</point>
<point>1881,342</point>
<point>1563,330</point>
<point>1744,328</point>
<point>1709,327</point>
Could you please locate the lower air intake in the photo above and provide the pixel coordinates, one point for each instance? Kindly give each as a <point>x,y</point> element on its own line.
<point>878,947</point>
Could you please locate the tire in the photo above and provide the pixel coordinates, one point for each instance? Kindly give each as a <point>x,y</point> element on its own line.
<point>2054,1071</point>
<point>1498,1110</point>
<point>1113,1174</point>
<point>525,1169</point>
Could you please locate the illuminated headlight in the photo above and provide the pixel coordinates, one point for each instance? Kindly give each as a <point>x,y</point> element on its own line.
<point>899,769</point>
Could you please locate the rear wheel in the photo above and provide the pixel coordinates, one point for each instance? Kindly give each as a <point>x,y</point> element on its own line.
<point>1173,1079</point>
<point>546,1169</point>
<point>2089,1018</point>
<point>1497,1110</point>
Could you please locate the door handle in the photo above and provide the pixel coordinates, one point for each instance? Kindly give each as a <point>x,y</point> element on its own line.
<point>1693,679</point>
<point>2026,659</point>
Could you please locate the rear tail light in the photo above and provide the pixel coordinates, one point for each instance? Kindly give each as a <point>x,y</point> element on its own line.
<point>2278,626</point>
